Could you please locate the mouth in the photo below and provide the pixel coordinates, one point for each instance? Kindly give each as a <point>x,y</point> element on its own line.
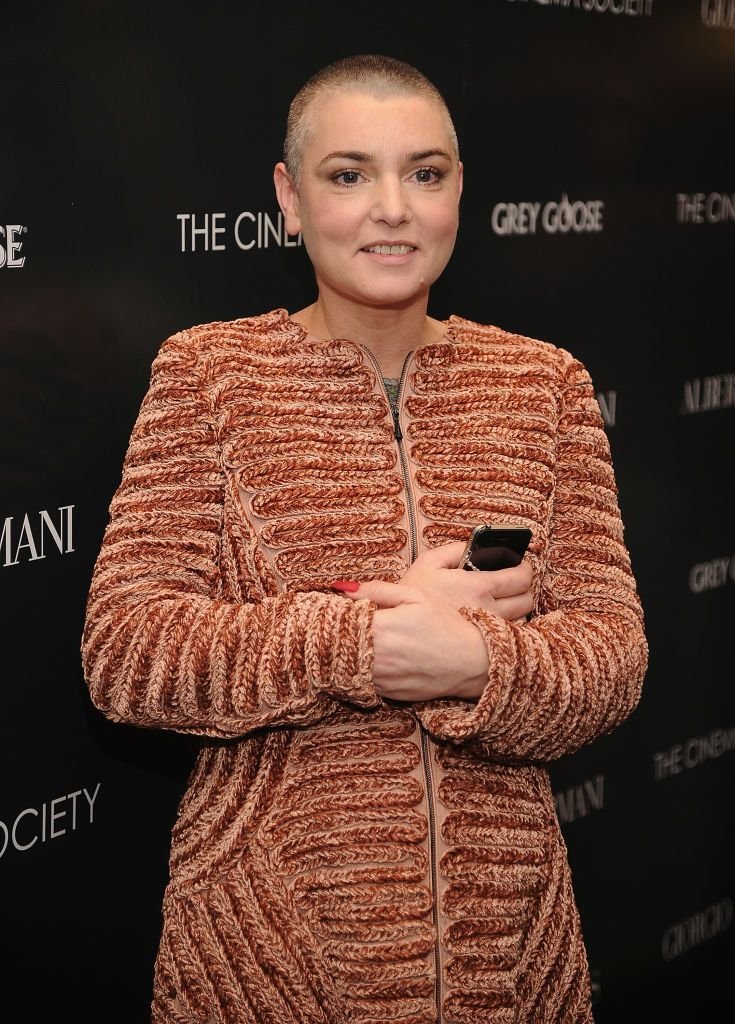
<point>386,249</point>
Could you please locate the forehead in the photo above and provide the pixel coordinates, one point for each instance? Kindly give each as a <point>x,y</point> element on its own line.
<point>361,121</point>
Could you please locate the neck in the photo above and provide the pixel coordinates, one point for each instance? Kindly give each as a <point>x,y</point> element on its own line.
<point>389,332</point>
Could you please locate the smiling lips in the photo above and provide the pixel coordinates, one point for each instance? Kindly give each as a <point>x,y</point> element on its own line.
<point>400,249</point>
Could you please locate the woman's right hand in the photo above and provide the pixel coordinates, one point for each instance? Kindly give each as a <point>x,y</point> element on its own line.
<point>423,648</point>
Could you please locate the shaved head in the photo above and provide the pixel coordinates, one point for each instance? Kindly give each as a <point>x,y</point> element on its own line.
<point>374,75</point>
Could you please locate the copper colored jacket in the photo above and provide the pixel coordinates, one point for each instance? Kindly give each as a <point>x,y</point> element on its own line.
<point>338,858</point>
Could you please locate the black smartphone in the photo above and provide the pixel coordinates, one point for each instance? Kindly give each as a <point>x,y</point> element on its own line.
<point>495,547</point>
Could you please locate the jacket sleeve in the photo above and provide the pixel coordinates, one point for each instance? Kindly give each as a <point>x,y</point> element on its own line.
<point>574,671</point>
<point>161,647</point>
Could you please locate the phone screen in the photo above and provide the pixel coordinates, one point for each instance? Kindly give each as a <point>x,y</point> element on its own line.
<point>496,547</point>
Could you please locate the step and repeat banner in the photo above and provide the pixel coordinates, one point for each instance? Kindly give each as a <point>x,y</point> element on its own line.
<point>136,151</point>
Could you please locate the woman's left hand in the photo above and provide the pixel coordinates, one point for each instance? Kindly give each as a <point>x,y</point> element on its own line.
<point>504,592</point>
<point>423,647</point>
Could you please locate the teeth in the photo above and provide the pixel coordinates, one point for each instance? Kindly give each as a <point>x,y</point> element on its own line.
<point>390,250</point>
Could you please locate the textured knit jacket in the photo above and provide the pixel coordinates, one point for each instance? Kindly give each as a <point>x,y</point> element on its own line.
<point>338,858</point>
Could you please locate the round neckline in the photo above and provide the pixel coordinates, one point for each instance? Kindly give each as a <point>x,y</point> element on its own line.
<point>287,319</point>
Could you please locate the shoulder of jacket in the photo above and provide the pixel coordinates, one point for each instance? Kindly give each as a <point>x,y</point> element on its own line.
<point>192,345</point>
<point>264,327</point>
<point>543,353</point>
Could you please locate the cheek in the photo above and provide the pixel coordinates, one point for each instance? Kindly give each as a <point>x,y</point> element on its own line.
<point>327,224</point>
<point>451,217</point>
<point>445,224</point>
<point>441,215</point>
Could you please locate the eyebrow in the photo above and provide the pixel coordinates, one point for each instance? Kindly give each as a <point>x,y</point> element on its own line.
<point>425,154</point>
<point>348,154</point>
<point>365,158</point>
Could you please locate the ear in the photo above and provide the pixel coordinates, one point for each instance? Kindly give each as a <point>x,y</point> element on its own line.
<point>288,198</point>
<point>460,174</point>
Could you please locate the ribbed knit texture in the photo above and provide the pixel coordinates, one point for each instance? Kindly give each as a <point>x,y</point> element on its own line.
<point>263,466</point>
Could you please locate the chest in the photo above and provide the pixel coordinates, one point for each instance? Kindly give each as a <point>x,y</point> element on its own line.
<point>325,481</point>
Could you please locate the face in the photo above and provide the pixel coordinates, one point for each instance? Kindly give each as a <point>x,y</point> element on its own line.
<point>378,199</point>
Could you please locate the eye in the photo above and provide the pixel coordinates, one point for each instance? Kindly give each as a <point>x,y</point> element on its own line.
<point>428,175</point>
<point>346,178</point>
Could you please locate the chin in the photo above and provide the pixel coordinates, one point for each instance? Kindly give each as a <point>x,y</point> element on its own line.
<point>402,295</point>
<point>396,301</point>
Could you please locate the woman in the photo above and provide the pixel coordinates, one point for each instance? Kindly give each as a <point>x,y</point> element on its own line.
<point>368,833</point>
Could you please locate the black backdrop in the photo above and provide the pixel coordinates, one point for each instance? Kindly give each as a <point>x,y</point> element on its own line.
<point>599,213</point>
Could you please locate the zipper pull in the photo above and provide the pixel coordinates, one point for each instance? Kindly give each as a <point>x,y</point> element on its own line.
<point>396,424</point>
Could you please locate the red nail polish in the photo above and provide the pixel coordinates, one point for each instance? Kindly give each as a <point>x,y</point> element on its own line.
<point>347,586</point>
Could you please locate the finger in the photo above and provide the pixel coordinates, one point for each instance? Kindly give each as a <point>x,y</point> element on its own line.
<point>512,608</point>
<point>500,583</point>
<point>493,585</point>
<point>446,556</point>
<point>385,595</point>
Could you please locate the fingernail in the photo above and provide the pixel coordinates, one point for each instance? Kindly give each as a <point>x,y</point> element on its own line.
<point>348,586</point>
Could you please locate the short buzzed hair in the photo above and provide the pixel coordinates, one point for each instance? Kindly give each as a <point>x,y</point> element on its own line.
<point>370,73</point>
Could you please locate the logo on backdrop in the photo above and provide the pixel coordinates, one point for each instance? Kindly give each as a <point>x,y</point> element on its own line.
<point>581,800</point>
<point>216,232</point>
<point>711,575</point>
<point>579,216</point>
<point>698,928</point>
<point>36,535</point>
<point>608,403</point>
<point>693,752</point>
<point>634,8</point>
<point>56,818</point>
<point>12,237</point>
<point>703,394</point>
<point>705,207</point>
<point>718,13</point>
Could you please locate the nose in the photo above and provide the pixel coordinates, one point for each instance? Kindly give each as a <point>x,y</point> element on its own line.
<point>390,203</point>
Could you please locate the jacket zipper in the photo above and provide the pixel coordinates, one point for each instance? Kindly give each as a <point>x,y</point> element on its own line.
<point>402,455</point>
<point>398,434</point>
<point>432,857</point>
<point>425,756</point>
